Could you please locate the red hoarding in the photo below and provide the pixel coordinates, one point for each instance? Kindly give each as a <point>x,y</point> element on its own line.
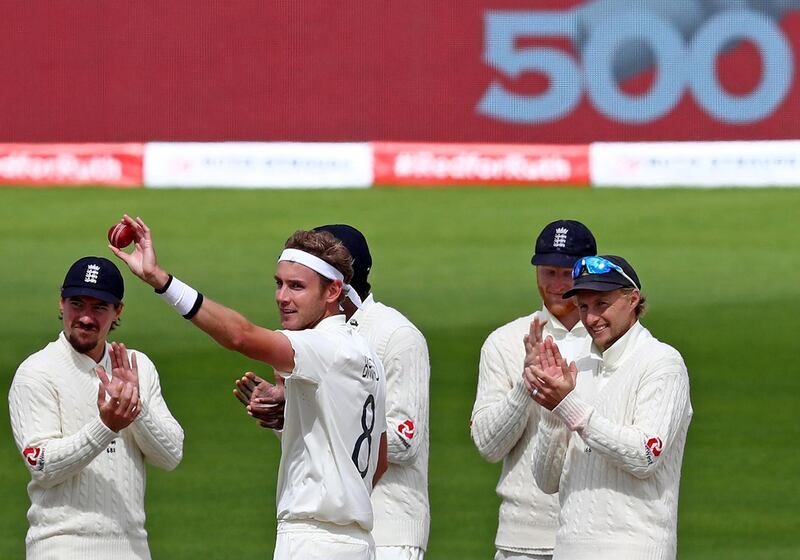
<point>480,164</point>
<point>117,165</point>
<point>555,71</point>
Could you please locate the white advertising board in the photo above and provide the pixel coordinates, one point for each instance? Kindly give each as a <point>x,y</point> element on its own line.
<point>695,164</point>
<point>257,164</point>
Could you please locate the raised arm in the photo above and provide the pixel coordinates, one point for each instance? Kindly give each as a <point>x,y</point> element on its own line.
<point>502,404</point>
<point>660,406</point>
<point>659,410</point>
<point>549,452</point>
<point>157,433</point>
<point>228,327</point>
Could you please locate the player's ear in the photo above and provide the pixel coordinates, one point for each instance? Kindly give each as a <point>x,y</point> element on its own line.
<point>119,307</point>
<point>634,299</point>
<point>333,291</point>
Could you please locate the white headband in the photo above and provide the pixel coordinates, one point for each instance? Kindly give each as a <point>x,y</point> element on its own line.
<point>323,268</point>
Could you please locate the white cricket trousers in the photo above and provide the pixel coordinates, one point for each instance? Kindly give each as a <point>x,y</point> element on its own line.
<point>314,540</point>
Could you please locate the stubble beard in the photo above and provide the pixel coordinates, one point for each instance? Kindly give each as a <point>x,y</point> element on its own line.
<point>560,308</point>
<point>82,346</point>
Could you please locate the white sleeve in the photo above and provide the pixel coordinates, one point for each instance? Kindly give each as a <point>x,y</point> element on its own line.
<point>502,406</point>
<point>312,354</point>
<point>660,405</point>
<point>50,456</point>
<point>549,452</point>
<point>155,430</point>
<point>381,398</point>
<point>407,369</point>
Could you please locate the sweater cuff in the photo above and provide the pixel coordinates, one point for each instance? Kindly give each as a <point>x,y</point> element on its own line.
<point>519,394</point>
<point>573,411</point>
<point>101,434</point>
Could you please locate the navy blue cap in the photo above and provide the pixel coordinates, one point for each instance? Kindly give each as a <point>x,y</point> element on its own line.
<point>606,281</point>
<point>563,242</point>
<point>95,277</point>
<point>356,243</point>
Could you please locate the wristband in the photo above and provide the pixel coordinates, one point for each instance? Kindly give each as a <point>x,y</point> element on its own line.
<point>196,307</point>
<point>165,287</point>
<point>185,299</point>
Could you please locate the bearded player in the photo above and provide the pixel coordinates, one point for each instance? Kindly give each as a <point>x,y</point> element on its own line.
<point>85,438</point>
<point>504,418</point>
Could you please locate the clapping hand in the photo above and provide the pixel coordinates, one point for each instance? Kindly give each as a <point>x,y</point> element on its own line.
<point>118,397</point>
<point>264,401</point>
<point>550,379</point>
<point>532,341</point>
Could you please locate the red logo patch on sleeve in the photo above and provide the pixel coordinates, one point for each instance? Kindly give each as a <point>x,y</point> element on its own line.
<point>406,429</point>
<point>34,457</point>
<point>655,445</point>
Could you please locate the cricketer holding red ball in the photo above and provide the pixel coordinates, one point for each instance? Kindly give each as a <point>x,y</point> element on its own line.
<point>120,235</point>
<point>333,444</point>
<point>400,501</point>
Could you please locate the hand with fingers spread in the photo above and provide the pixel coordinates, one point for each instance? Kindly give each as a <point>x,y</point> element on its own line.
<point>121,367</point>
<point>142,260</point>
<point>532,341</point>
<point>264,401</point>
<point>551,379</point>
<point>118,397</point>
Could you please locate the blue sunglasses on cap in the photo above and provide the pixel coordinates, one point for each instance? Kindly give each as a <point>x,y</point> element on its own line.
<point>598,265</point>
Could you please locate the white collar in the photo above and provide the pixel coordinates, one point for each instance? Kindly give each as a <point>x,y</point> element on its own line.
<point>331,322</point>
<point>555,324</point>
<point>618,352</point>
<point>82,359</point>
<point>368,302</point>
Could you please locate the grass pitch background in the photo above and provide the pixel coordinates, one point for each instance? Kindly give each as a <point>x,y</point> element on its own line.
<point>720,269</point>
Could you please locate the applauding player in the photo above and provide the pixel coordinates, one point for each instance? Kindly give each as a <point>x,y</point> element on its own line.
<point>612,447</point>
<point>85,436</point>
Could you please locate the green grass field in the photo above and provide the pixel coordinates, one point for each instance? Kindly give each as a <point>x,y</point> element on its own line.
<point>720,269</point>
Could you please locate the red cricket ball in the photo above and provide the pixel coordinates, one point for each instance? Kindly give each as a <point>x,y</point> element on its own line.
<point>120,235</point>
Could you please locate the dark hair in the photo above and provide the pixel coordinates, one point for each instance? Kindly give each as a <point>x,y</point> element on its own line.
<point>117,322</point>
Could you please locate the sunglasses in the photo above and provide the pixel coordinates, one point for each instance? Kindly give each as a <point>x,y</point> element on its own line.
<point>598,265</point>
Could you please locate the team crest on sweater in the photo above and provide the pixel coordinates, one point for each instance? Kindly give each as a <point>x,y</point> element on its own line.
<point>34,456</point>
<point>653,447</point>
<point>406,429</point>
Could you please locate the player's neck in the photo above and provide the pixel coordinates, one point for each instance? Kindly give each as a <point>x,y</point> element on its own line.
<point>97,352</point>
<point>569,319</point>
<point>330,311</point>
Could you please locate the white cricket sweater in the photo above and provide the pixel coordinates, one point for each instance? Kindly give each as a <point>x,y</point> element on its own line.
<point>400,500</point>
<point>504,423</point>
<point>87,482</point>
<point>618,473</point>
